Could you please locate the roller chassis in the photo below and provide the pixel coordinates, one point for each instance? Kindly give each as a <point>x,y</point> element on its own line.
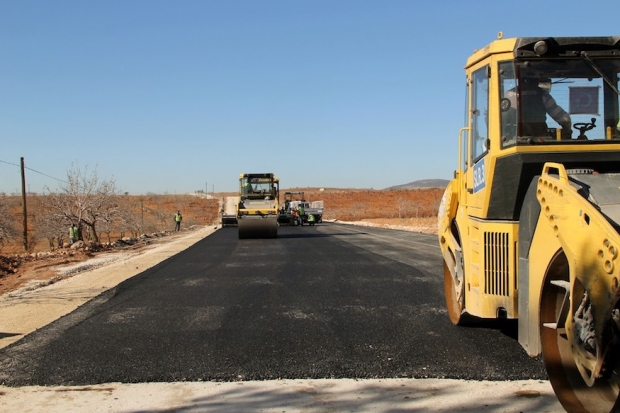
<point>575,324</point>
<point>584,328</point>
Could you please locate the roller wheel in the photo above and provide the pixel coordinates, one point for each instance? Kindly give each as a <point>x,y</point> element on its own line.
<point>563,368</point>
<point>453,290</point>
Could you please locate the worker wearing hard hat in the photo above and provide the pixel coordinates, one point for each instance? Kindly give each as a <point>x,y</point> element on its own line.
<point>536,102</point>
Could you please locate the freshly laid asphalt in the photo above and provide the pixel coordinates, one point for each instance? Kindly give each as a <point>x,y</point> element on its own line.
<point>328,301</point>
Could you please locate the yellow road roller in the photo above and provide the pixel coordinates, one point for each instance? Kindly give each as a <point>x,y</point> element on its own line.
<point>257,210</point>
<point>529,226</point>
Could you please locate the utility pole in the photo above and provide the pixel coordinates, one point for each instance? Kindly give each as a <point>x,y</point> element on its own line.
<point>24,211</point>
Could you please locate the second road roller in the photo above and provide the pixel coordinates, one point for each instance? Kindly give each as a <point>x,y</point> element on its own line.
<point>257,210</point>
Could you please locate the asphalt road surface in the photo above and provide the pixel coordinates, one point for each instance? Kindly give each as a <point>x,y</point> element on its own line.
<point>327,301</point>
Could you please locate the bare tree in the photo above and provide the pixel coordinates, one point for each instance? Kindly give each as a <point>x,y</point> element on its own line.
<point>49,224</point>
<point>403,207</point>
<point>130,214</point>
<point>7,229</point>
<point>85,200</point>
<point>108,222</point>
<point>162,217</point>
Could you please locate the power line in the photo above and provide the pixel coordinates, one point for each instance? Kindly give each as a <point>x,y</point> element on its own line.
<point>14,164</point>
<point>49,176</point>
<point>34,170</point>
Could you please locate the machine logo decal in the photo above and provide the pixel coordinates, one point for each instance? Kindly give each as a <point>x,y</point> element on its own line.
<point>479,176</point>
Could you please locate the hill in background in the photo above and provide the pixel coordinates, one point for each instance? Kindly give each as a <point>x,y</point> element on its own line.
<point>422,183</point>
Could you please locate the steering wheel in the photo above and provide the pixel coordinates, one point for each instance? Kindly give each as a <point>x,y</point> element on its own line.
<point>584,127</point>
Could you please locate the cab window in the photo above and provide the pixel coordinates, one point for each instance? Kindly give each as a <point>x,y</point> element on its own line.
<point>507,102</point>
<point>479,113</point>
<point>463,137</point>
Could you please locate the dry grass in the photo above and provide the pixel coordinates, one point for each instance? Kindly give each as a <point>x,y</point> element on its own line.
<point>408,208</point>
<point>154,213</point>
<point>355,205</point>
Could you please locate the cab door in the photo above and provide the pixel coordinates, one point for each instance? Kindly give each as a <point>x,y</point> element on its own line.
<point>478,140</point>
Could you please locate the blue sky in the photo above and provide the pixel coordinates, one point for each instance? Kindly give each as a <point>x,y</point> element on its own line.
<point>174,96</point>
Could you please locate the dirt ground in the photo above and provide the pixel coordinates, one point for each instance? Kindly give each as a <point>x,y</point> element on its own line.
<point>37,269</point>
<point>423,225</point>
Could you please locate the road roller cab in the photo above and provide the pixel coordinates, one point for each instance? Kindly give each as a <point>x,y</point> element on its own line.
<point>257,211</point>
<point>528,227</point>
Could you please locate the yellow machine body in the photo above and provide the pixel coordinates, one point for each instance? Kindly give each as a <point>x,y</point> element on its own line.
<point>528,227</point>
<point>257,210</point>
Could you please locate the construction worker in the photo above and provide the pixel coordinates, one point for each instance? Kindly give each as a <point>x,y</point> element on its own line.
<point>311,219</point>
<point>247,187</point>
<point>295,215</point>
<point>177,221</point>
<point>537,102</point>
<point>301,215</point>
<point>72,234</point>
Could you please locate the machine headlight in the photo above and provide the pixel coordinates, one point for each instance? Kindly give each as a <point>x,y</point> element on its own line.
<point>541,47</point>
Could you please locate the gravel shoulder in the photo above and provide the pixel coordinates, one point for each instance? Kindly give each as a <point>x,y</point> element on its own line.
<point>290,396</point>
<point>25,310</point>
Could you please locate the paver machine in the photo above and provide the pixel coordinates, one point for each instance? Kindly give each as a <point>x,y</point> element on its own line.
<point>529,226</point>
<point>257,211</point>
